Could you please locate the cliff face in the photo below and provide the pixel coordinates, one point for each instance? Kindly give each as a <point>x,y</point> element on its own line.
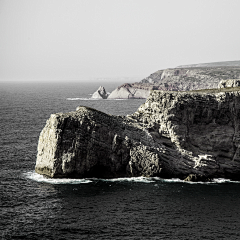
<point>178,79</point>
<point>192,78</point>
<point>129,91</point>
<point>174,134</point>
<point>89,143</point>
<point>199,129</point>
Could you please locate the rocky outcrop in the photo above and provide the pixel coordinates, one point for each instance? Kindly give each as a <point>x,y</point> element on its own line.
<point>178,79</point>
<point>229,83</point>
<point>190,135</point>
<point>89,143</point>
<point>100,93</point>
<point>128,91</point>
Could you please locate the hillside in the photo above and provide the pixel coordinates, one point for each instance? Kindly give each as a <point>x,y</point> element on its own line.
<point>182,78</point>
<point>185,79</point>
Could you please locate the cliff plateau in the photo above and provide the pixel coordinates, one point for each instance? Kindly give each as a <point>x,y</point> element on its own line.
<point>182,78</point>
<point>190,135</point>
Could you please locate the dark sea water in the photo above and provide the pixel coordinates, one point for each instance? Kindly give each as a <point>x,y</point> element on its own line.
<point>33,207</point>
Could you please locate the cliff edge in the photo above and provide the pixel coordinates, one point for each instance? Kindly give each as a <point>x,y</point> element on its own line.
<point>174,134</point>
<point>182,78</point>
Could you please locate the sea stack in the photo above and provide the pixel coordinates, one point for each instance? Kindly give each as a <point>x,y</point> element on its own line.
<point>190,135</point>
<point>100,93</point>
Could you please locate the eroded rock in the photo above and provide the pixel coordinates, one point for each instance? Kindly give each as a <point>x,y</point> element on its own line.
<point>229,83</point>
<point>173,134</point>
<point>100,93</point>
<point>127,91</point>
<point>183,78</point>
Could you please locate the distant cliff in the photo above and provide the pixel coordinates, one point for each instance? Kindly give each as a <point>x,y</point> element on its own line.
<point>182,78</point>
<point>191,135</point>
<point>177,79</point>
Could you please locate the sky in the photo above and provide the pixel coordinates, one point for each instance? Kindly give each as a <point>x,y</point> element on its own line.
<point>75,40</point>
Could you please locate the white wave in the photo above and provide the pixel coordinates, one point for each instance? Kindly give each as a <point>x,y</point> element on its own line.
<point>93,99</point>
<point>214,181</point>
<point>223,180</point>
<point>40,178</point>
<point>117,99</point>
<point>130,179</point>
<point>76,99</point>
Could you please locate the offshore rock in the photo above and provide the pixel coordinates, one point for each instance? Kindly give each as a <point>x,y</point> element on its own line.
<point>100,93</point>
<point>190,135</point>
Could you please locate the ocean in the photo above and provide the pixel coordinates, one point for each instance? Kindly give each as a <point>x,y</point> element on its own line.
<point>35,207</point>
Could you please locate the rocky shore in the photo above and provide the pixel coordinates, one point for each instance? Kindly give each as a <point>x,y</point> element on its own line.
<point>190,135</point>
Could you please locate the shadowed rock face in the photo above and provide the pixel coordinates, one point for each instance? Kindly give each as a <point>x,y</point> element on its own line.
<point>174,134</point>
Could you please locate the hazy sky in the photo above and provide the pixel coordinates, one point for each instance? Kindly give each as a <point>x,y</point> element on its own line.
<point>79,39</point>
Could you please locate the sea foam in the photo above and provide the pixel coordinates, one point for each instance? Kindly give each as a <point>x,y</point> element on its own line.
<point>94,99</point>
<point>40,178</point>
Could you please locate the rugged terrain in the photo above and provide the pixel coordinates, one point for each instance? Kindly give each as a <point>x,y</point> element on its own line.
<point>182,78</point>
<point>190,135</point>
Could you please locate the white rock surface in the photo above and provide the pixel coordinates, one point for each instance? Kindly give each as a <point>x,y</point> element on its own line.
<point>100,93</point>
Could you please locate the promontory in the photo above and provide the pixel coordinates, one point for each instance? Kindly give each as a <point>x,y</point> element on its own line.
<point>192,135</point>
<point>181,78</point>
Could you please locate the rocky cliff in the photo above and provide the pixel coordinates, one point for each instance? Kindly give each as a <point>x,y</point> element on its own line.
<point>185,79</point>
<point>178,79</point>
<point>129,91</point>
<point>192,135</point>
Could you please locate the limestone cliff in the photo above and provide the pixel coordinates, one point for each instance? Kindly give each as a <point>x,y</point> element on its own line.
<point>129,91</point>
<point>178,79</point>
<point>174,134</point>
<point>89,143</point>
